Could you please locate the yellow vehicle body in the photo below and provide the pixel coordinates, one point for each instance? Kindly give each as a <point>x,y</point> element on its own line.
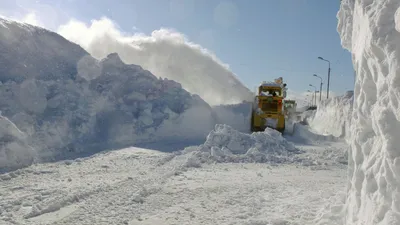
<point>268,110</point>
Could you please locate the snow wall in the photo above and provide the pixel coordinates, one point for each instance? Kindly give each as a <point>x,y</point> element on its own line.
<point>370,30</point>
<point>65,103</point>
<point>333,116</point>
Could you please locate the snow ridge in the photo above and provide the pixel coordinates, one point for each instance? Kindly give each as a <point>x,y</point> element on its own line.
<point>370,31</point>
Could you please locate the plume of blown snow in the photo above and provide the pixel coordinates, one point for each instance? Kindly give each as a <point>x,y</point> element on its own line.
<point>370,30</point>
<point>166,53</point>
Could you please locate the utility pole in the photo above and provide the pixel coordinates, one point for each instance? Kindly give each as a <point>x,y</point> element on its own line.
<point>329,78</point>
<point>315,93</point>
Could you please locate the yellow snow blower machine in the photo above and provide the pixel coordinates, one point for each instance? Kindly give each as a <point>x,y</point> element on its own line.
<point>268,109</point>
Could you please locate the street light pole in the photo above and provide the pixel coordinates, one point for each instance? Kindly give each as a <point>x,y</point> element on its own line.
<point>320,87</point>
<point>315,94</point>
<point>312,98</point>
<point>329,75</point>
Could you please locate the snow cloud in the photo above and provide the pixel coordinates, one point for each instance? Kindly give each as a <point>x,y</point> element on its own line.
<point>166,53</point>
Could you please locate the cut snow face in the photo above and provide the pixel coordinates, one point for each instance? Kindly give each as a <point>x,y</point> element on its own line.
<point>166,53</point>
<point>370,31</point>
<point>333,116</point>
<point>224,144</point>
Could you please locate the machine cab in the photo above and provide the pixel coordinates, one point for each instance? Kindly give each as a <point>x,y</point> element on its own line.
<point>270,97</point>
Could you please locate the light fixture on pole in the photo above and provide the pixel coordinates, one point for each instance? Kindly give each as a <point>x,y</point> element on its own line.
<point>320,87</point>
<point>329,75</point>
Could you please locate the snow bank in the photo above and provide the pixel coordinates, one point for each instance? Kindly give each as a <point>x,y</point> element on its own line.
<point>370,30</point>
<point>68,103</point>
<point>166,53</point>
<point>15,153</point>
<point>225,144</point>
<point>333,116</point>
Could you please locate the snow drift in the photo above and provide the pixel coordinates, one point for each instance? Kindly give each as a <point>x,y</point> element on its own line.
<point>333,116</point>
<point>166,53</point>
<point>68,103</point>
<point>370,30</point>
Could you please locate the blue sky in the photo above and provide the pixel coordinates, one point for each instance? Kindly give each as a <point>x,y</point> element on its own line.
<point>259,39</point>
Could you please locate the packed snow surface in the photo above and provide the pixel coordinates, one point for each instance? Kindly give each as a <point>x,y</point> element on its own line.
<point>370,30</point>
<point>165,52</point>
<point>200,185</point>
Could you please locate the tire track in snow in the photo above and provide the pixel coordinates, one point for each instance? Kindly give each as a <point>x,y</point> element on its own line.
<point>71,186</point>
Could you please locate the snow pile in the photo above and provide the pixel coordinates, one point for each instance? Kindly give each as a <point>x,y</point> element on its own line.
<point>333,116</point>
<point>67,102</point>
<point>166,53</point>
<point>15,153</point>
<point>370,30</point>
<point>224,144</point>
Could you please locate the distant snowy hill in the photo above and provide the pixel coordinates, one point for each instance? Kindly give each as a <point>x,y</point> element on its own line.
<point>67,102</point>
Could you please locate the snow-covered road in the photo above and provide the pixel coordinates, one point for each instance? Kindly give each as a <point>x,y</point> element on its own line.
<point>140,186</point>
